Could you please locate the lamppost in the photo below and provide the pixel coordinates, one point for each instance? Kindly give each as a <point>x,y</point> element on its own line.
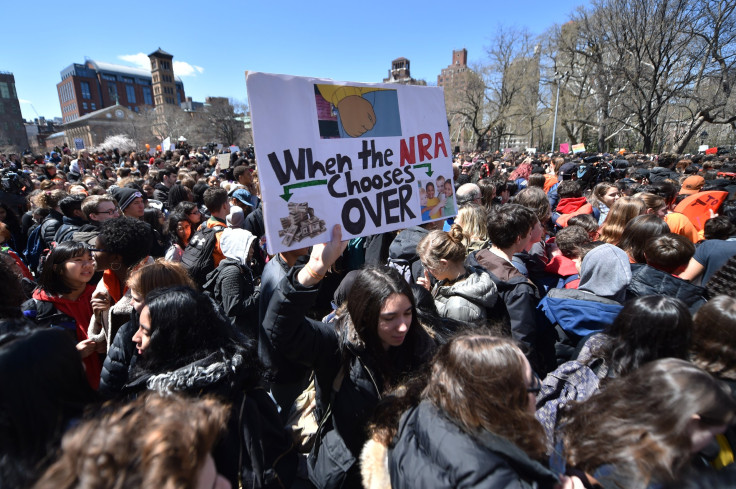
<point>558,78</point>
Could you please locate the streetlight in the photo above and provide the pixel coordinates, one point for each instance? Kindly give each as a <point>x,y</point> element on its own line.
<point>558,78</point>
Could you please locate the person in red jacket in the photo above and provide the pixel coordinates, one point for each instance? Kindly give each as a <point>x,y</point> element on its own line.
<point>572,202</point>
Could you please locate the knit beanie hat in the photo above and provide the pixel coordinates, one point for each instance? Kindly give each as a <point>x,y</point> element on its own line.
<point>124,196</point>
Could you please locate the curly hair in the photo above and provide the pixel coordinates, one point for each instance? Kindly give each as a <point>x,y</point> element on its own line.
<point>128,237</point>
<point>154,441</point>
<point>723,282</point>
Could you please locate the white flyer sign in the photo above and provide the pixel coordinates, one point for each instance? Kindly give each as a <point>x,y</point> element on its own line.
<point>370,157</point>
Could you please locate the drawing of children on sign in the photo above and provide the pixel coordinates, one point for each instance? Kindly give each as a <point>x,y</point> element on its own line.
<point>351,112</point>
<point>449,208</point>
<point>431,204</point>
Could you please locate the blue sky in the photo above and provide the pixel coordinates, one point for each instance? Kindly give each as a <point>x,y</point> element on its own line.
<point>215,42</point>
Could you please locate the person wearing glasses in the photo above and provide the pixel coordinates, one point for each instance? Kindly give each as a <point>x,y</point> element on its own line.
<point>474,424</point>
<point>99,208</point>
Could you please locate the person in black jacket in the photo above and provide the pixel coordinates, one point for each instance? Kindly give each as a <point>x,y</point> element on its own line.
<point>666,256</point>
<point>186,345</point>
<point>475,425</point>
<point>51,223</point>
<point>121,357</point>
<point>375,343</point>
<point>233,285</point>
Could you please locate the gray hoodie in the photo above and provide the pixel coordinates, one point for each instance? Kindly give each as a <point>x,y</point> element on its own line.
<point>606,272</point>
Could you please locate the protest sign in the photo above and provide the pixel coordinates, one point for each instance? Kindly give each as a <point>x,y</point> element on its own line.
<point>223,161</point>
<point>565,148</point>
<point>234,149</point>
<point>78,143</point>
<point>166,144</point>
<point>578,148</point>
<point>370,157</point>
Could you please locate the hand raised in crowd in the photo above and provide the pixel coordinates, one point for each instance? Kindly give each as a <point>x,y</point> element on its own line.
<point>424,281</point>
<point>322,258</point>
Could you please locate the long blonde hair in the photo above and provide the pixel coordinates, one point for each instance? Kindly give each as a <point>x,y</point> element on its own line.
<point>622,211</point>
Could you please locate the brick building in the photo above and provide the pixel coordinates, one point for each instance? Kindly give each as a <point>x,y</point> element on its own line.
<point>12,131</point>
<point>399,73</point>
<point>94,85</point>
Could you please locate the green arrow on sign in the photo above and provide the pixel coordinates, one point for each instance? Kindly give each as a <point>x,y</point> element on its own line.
<point>287,195</point>
<point>428,166</point>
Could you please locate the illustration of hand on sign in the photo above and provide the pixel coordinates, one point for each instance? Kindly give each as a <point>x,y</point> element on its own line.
<point>356,114</point>
<point>360,111</point>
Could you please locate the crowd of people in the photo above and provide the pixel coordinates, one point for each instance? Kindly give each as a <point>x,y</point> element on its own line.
<point>571,326</point>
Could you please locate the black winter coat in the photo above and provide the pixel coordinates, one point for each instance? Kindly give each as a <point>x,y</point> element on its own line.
<point>430,451</point>
<point>49,226</point>
<point>647,280</point>
<point>120,360</point>
<point>232,286</point>
<point>318,346</point>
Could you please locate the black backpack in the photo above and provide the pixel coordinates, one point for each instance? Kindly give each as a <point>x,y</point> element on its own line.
<point>197,257</point>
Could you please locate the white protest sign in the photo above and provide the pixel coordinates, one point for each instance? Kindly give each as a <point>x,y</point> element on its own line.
<point>223,161</point>
<point>370,157</point>
<point>166,144</point>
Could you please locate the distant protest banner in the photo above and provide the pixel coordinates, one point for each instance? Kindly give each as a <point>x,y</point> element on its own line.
<point>578,148</point>
<point>565,148</point>
<point>78,143</point>
<point>370,157</point>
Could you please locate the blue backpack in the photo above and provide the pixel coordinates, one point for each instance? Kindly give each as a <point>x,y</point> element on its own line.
<point>34,249</point>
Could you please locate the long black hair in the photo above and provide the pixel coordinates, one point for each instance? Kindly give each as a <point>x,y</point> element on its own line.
<point>186,326</point>
<point>647,328</point>
<point>369,292</point>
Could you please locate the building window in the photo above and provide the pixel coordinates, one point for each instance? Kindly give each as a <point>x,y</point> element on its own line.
<point>84,105</point>
<point>130,93</point>
<point>4,92</point>
<point>85,90</point>
<point>113,91</point>
<point>108,77</point>
<point>147,96</point>
<point>94,106</point>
